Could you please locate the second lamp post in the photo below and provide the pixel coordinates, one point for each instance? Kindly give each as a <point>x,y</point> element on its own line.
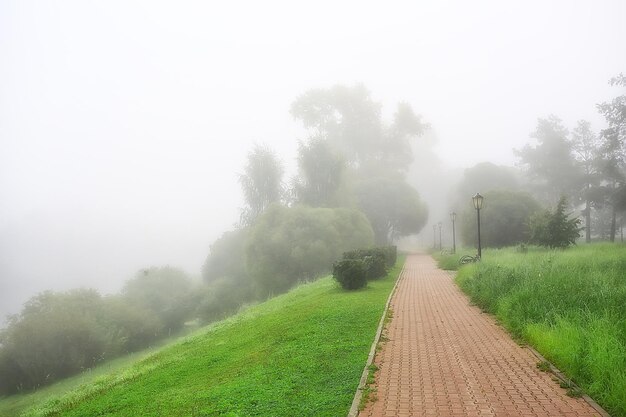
<point>453,217</point>
<point>478,204</point>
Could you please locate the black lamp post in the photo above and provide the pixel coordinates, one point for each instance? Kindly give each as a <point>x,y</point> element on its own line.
<point>478,204</point>
<point>439,235</point>
<point>453,217</point>
<point>434,236</point>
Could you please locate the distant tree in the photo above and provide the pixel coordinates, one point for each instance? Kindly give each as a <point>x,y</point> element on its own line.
<point>167,292</point>
<point>393,208</point>
<point>587,152</point>
<point>614,150</point>
<point>128,326</point>
<point>292,244</point>
<point>350,121</point>
<point>555,229</point>
<point>505,217</point>
<point>486,176</point>
<point>226,257</point>
<point>222,297</point>
<point>54,336</point>
<point>550,164</point>
<point>228,284</point>
<point>321,174</point>
<point>261,183</point>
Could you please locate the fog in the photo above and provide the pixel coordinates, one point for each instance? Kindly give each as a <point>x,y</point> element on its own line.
<point>123,125</point>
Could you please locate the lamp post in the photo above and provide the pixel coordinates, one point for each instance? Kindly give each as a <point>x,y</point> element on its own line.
<point>478,204</point>
<point>453,217</point>
<point>434,236</point>
<point>439,235</point>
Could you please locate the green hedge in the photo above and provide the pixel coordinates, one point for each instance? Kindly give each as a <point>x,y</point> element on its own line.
<point>374,262</point>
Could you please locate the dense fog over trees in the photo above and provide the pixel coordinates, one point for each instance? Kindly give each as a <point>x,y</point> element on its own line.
<point>137,135</point>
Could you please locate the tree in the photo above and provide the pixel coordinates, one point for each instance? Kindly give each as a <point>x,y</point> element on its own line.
<point>486,176</point>
<point>167,292</point>
<point>321,174</point>
<point>555,229</point>
<point>586,146</point>
<point>261,182</point>
<point>350,121</point>
<point>550,164</point>
<point>393,208</point>
<point>292,244</point>
<point>54,336</point>
<point>614,149</point>
<point>225,257</point>
<point>505,218</point>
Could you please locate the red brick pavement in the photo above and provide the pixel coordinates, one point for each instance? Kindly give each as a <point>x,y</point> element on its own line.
<point>447,358</point>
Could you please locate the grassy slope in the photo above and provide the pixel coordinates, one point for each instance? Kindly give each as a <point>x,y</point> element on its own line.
<point>570,305</point>
<point>301,354</point>
<point>12,405</point>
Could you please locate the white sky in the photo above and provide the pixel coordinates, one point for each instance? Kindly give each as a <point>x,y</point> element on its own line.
<point>123,123</point>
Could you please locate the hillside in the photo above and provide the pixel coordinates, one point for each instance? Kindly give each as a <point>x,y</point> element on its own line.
<point>301,353</point>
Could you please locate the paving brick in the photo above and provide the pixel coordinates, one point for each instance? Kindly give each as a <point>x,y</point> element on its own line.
<point>444,357</point>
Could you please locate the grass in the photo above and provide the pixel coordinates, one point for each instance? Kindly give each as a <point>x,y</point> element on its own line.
<point>13,405</point>
<point>301,354</point>
<point>569,305</point>
<point>449,261</point>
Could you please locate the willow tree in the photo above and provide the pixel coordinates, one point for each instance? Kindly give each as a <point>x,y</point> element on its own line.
<point>261,182</point>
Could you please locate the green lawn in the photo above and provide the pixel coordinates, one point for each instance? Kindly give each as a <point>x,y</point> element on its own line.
<point>299,354</point>
<point>569,304</point>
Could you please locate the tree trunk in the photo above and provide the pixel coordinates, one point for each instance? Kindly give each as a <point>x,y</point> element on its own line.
<point>613,223</point>
<point>587,222</point>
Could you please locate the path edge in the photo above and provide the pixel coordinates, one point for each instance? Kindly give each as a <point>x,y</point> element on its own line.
<point>562,377</point>
<point>354,409</point>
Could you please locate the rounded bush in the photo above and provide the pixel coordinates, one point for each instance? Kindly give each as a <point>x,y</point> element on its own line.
<point>350,273</point>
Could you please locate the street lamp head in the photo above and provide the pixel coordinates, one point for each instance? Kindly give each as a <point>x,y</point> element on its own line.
<point>439,224</point>
<point>478,201</point>
<point>453,216</point>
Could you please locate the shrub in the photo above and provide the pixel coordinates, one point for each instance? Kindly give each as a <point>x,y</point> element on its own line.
<point>350,273</point>
<point>555,229</point>
<point>375,260</point>
<point>292,244</point>
<point>391,255</point>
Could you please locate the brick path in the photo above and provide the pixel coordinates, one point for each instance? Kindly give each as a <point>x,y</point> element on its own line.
<point>446,358</point>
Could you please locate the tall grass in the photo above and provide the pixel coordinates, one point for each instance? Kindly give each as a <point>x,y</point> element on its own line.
<point>570,305</point>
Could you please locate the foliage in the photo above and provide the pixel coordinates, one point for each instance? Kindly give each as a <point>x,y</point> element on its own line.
<point>350,121</point>
<point>219,370</point>
<point>504,219</point>
<point>261,183</point>
<point>14,405</point>
<point>129,326</point>
<point>167,292</point>
<point>391,255</point>
<point>550,164</point>
<point>485,176</point>
<point>393,208</point>
<point>225,258</point>
<point>55,335</point>
<point>554,229</point>
<point>292,244</point>
<point>568,304</point>
<point>613,140</point>
<point>375,260</point>
<point>350,273</point>
<point>223,297</point>
<point>60,334</point>
<point>321,174</point>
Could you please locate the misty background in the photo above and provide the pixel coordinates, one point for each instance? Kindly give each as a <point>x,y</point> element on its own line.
<point>123,125</point>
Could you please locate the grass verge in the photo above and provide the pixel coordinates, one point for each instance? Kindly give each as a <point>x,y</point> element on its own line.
<point>301,354</point>
<point>569,305</point>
